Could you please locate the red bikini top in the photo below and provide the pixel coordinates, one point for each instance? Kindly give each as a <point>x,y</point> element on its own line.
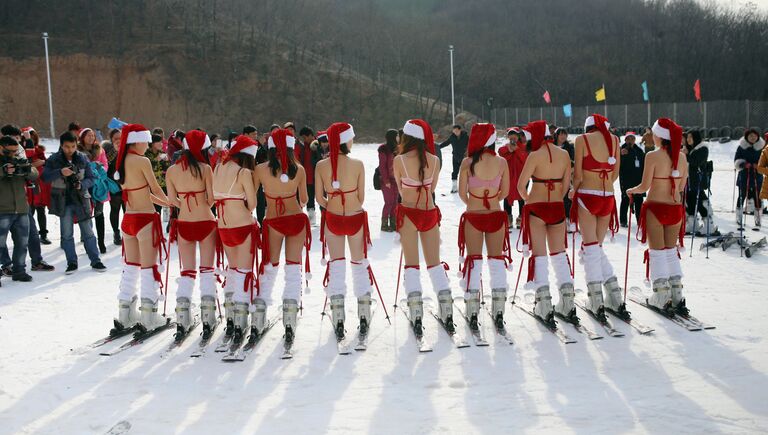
<point>188,195</point>
<point>342,194</point>
<point>590,164</point>
<point>279,202</point>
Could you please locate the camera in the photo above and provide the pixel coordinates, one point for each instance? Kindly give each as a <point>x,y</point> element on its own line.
<point>22,167</point>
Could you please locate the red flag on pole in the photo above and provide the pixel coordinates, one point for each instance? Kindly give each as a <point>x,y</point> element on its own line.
<point>697,90</point>
<point>547,97</point>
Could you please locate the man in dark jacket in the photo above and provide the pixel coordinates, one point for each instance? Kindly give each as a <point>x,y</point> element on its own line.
<point>303,153</point>
<point>69,173</point>
<point>699,173</point>
<point>630,175</point>
<point>748,179</point>
<point>14,209</point>
<point>458,141</point>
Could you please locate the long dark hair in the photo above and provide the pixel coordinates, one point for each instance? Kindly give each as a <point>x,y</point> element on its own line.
<point>244,160</point>
<point>476,157</point>
<point>274,163</point>
<point>121,168</point>
<point>194,165</point>
<point>409,143</point>
<point>391,137</point>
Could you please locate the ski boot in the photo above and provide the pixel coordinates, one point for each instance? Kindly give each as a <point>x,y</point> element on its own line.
<point>364,313</point>
<point>542,308</point>
<point>338,315</point>
<point>565,307</point>
<point>661,297</point>
<point>595,300</point>
<point>416,312</point>
<point>127,316</point>
<point>472,304</point>
<point>613,300</point>
<point>229,314</point>
<point>149,319</point>
<point>678,301</point>
<point>240,322</point>
<point>258,319</point>
<point>498,299</point>
<point>445,304</point>
<point>290,314</point>
<point>208,315</point>
<point>183,318</point>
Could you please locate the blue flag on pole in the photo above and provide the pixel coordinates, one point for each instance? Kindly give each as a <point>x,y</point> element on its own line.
<point>645,91</point>
<point>567,111</point>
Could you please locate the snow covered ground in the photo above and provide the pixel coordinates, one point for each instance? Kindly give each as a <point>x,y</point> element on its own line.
<point>671,381</point>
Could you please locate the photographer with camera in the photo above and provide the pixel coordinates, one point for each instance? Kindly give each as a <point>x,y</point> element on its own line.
<point>699,174</point>
<point>70,175</point>
<point>14,209</point>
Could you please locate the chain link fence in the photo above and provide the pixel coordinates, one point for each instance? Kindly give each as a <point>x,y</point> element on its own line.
<point>715,119</point>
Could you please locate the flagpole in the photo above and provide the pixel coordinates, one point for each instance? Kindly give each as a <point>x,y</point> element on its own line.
<point>605,100</point>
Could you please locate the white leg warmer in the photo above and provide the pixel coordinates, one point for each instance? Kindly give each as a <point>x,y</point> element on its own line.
<point>241,294</point>
<point>185,284</point>
<point>541,271</point>
<point>606,266</point>
<point>411,280</point>
<point>361,281</point>
<point>562,270</point>
<point>293,282</point>
<point>149,287</point>
<point>267,284</point>
<point>475,276</point>
<point>229,281</point>
<point>439,278</point>
<point>658,264</point>
<point>593,270</point>
<point>498,271</point>
<point>207,283</point>
<point>673,263</point>
<point>128,282</point>
<point>337,278</point>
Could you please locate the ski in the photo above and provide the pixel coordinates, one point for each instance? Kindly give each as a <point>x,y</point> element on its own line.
<point>677,320</point>
<point>242,352</point>
<point>223,344</point>
<point>754,247</point>
<point>108,339</point>
<point>421,344</point>
<point>139,338</point>
<point>343,346</point>
<point>697,322</point>
<point>180,336</point>
<point>458,340</point>
<point>551,328</point>
<point>690,320</point>
<point>501,330</point>
<point>727,243</point>
<point>716,242</point>
<point>362,339</point>
<point>579,327</point>
<point>605,323</point>
<point>202,346</point>
<point>477,333</point>
<point>639,327</point>
<point>288,339</point>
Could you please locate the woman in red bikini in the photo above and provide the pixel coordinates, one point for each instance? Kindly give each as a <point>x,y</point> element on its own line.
<point>594,213</point>
<point>484,220</point>
<point>340,191</point>
<point>662,216</point>
<point>143,240</point>
<point>416,170</point>
<point>549,168</point>
<point>190,189</point>
<point>235,198</point>
<point>285,222</point>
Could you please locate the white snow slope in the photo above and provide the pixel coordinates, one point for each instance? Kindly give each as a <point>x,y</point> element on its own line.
<point>671,381</point>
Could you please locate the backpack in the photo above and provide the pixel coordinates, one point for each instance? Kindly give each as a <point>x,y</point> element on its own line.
<point>376,179</point>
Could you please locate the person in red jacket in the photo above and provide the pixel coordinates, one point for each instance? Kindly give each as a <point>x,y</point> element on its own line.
<point>515,154</point>
<point>41,196</point>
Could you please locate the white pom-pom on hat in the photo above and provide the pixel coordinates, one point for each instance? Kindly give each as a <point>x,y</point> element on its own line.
<point>284,178</point>
<point>675,173</point>
<point>335,184</point>
<point>116,176</point>
<point>611,160</point>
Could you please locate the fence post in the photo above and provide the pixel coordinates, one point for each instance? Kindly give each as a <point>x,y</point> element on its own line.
<point>529,113</point>
<point>554,115</point>
<point>541,112</point>
<point>649,114</point>
<point>705,115</point>
<point>626,120</point>
<point>747,124</point>
<point>517,117</point>
<point>674,111</point>
<point>505,117</point>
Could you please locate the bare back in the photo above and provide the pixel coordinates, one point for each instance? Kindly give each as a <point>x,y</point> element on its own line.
<point>193,196</point>
<point>487,186</point>
<point>281,197</point>
<point>235,195</point>
<point>416,193</point>
<point>551,178</point>
<point>139,183</point>
<point>592,145</point>
<point>351,177</point>
<point>658,165</point>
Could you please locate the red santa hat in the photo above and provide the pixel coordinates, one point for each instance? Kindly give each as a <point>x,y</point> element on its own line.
<point>338,133</point>
<point>27,129</point>
<point>601,123</point>
<point>420,129</point>
<point>482,136</point>
<point>243,144</point>
<point>131,133</point>
<point>666,128</point>
<point>196,141</point>
<point>322,136</point>
<point>537,132</point>
<point>281,139</point>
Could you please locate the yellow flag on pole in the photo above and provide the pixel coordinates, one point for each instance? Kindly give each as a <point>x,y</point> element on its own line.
<point>600,94</point>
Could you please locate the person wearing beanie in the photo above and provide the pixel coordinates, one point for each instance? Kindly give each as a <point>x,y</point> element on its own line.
<point>340,191</point>
<point>515,154</point>
<point>416,170</point>
<point>484,220</point>
<point>699,174</point>
<point>748,179</point>
<point>597,166</point>
<point>189,183</point>
<point>663,215</point>
<point>143,240</point>
<point>235,197</point>
<point>285,224</point>
<point>548,168</point>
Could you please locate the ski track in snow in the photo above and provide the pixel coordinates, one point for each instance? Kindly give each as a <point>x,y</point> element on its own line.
<point>673,380</point>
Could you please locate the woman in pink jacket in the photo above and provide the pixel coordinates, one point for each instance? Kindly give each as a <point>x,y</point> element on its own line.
<point>388,185</point>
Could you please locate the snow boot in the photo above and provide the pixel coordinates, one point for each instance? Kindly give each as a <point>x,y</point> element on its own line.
<point>739,216</point>
<point>565,306</point>
<point>661,297</point>
<point>208,315</point>
<point>183,317</point>
<point>364,313</point>
<point>127,315</point>
<point>229,313</point>
<point>472,304</point>
<point>240,321</point>
<point>149,318</point>
<point>543,305</point>
<point>595,299</point>
<point>392,224</point>
<point>445,305</point>
<point>311,216</point>
<point>678,301</point>
<point>613,299</point>
<point>338,315</point>
<point>258,318</point>
<point>454,186</point>
<point>290,314</point>
<point>498,299</point>
<point>385,225</point>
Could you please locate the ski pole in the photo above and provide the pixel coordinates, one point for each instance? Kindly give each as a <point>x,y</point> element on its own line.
<point>741,218</point>
<point>695,214</point>
<point>517,283</point>
<point>709,215</point>
<point>399,270</point>
<point>629,232</point>
<point>167,271</point>
<point>383,305</point>
<point>733,195</point>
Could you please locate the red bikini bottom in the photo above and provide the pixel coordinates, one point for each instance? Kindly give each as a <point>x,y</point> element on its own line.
<point>423,220</point>
<point>288,226</point>
<point>192,231</point>
<point>552,213</point>
<point>341,225</point>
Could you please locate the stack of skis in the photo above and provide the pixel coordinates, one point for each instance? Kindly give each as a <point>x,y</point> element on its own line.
<point>725,241</point>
